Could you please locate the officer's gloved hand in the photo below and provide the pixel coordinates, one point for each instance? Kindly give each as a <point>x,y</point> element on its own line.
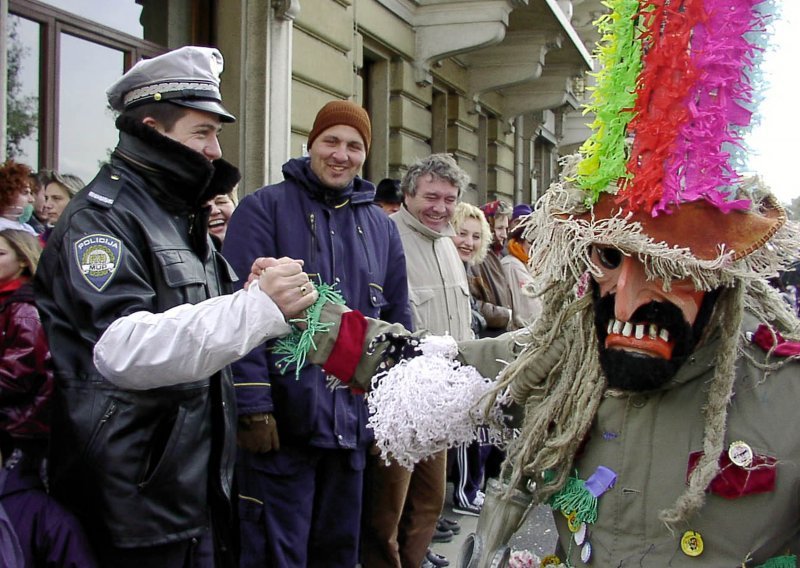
<point>258,433</point>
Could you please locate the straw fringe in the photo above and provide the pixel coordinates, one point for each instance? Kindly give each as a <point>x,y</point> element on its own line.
<point>562,247</point>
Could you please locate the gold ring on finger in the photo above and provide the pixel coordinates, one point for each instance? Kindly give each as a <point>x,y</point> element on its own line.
<point>303,289</point>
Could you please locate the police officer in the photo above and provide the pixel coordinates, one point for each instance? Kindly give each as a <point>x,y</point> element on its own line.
<point>132,296</point>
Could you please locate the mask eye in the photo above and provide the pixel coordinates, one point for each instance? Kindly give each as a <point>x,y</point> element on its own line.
<point>609,257</point>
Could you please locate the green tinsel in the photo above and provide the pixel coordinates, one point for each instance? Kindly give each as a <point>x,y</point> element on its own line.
<point>619,52</point>
<point>780,562</point>
<point>297,344</point>
<point>575,498</point>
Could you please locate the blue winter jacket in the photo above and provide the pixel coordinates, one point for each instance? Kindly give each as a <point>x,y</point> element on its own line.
<point>344,239</point>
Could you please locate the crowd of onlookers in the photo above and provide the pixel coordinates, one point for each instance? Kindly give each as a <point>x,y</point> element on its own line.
<point>489,242</point>
<point>160,361</point>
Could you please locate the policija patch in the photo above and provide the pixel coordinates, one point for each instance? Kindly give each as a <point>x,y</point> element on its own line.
<point>98,258</point>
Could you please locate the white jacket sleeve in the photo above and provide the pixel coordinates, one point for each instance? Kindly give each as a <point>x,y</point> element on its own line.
<point>144,350</point>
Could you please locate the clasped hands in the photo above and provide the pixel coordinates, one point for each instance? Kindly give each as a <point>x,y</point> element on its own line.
<point>285,282</point>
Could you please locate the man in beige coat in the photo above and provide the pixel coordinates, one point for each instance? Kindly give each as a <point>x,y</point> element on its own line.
<point>401,507</point>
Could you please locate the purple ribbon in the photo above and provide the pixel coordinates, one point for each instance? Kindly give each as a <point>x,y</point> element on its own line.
<point>601,481</point>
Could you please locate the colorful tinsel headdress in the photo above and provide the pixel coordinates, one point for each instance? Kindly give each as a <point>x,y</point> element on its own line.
<point>661,176</point>
<point>674,96</point>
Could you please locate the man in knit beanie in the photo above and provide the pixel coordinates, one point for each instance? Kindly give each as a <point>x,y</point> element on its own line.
<point>302,444</point>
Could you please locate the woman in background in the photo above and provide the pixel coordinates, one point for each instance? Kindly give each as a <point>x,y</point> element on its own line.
<point>39,532</point>
<point>16,197</point>
<point>58,190</point>
<point>222,207</point>
<point>472,238</point>
<point>525,307</point>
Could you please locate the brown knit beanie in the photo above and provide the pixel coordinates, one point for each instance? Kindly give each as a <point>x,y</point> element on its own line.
<point>342,112</point>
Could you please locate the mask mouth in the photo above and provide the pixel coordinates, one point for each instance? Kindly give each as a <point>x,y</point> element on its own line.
<point>644,338</point>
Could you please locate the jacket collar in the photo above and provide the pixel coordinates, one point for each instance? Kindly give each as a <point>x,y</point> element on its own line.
<point>299,171</point>
<point>179,178</point>
<point>405,216</point>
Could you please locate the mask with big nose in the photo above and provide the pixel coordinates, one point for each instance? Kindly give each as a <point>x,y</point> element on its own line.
<point>645,331</point>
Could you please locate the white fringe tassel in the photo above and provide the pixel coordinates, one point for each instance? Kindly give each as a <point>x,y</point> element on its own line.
<point>427,404</point>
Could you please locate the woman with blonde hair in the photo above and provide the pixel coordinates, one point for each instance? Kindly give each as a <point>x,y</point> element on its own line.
<point>473,234</point>
<point>26,380</point>
<point>59,189</point>
<point>46,534</point>
<point>472,238</point>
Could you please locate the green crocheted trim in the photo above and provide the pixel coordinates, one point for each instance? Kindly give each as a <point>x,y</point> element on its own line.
<point>298,343</point>
<point>780,562</point>
<point>575,498</point>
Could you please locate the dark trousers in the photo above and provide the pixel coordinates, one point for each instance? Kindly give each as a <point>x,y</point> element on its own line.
<point>192,553</point>
<point>468,471</point>
<point>300,507</point>
<point>401,509</point>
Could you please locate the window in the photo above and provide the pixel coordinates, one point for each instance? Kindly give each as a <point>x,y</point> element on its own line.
<point>62,56</point>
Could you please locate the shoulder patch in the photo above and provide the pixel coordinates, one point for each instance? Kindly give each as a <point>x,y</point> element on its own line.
<point>98,257</point>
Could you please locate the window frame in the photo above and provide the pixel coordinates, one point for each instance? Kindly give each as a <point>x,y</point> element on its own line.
<point>53,22</point>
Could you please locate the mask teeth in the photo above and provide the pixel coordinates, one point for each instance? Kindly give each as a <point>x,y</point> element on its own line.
<point>639,331</point>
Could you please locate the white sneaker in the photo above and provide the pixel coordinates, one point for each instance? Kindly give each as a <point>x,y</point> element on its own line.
<point>480,496</point>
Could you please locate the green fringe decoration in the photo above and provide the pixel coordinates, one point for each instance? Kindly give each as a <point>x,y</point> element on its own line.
<point>780,562</point>
<point>297,344</point>
<point>575,498</point>
<point>619,53</point>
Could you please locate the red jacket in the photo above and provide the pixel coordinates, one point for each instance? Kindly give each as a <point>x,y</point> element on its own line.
<point>26,375</point>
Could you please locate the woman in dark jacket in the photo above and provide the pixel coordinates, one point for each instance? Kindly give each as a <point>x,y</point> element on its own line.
<point>38,532</point>
<point>26,377</point>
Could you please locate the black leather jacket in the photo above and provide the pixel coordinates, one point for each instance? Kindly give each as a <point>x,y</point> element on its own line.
<point>141,467</point>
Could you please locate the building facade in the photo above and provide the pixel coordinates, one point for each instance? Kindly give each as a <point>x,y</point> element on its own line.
<point>497,83</point>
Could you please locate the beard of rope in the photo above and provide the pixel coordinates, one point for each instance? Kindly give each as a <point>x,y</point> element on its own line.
<point>558,413</point>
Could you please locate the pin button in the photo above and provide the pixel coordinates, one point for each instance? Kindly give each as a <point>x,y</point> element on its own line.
<point>692,543</point>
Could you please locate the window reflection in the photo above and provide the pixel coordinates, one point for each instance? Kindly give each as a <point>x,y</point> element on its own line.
<point>124,16</point>
<point>22,103</point>
<point>86,132</point>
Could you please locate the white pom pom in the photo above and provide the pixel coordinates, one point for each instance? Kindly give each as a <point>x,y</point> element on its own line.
<point>439,345</point>
<point>426,404</point>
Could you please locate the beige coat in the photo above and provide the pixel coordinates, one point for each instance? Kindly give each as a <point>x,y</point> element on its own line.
<point>437,283</point>
<point>526,308</point>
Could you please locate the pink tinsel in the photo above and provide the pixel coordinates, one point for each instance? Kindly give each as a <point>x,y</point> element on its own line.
<point>699,166</point>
